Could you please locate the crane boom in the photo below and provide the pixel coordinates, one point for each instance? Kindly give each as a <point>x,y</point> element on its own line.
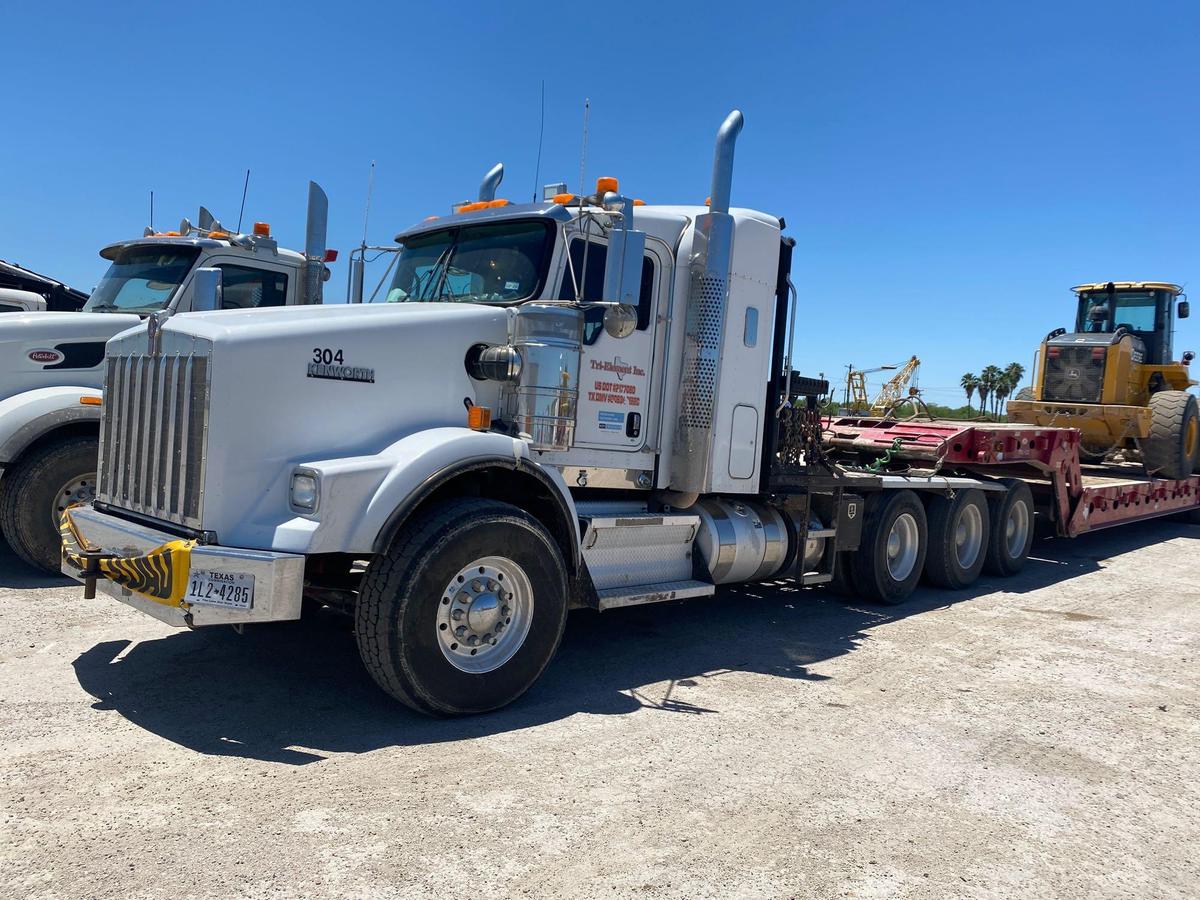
<point>893,390</point>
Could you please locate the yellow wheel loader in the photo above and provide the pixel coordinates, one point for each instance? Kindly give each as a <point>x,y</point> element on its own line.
<point>1115,378</point>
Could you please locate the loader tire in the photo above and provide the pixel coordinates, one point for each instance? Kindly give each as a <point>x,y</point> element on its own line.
<point>1173,445</point>
<point>891,554</point>
<point>37,489</point>
<point>1010,528</point>
<point>465,610</point>
<point>959,528</point>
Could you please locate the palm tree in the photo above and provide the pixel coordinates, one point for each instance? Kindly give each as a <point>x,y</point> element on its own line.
<point>1004,386</point>
<point>989,379</point>
<point>1014,372</point>
<point>969,382</point>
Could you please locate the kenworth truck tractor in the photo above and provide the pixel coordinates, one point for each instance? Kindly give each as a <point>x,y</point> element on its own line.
<point>52,363</point>
<point>587,401</point>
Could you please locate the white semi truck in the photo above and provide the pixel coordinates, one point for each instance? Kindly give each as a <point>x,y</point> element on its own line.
<point>52,363</point>
<point>587,401</point>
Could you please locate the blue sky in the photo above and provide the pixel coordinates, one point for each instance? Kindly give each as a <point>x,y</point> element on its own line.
<point>948,169</point>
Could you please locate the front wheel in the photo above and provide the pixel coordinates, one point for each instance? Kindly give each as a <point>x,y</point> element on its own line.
<point>1173,445</point>
<point>465,610</point>
<point>38,489</point>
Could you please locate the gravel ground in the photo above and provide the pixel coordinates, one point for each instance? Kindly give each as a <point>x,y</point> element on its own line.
<point>1031,737</point>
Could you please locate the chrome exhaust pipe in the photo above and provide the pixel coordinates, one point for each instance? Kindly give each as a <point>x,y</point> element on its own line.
<point>722,177</point>
<point>692,464</point>
<point>491,181</point>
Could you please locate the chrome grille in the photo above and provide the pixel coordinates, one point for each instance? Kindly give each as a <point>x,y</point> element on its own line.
<point>153,435</point>
<point>1073,375</point>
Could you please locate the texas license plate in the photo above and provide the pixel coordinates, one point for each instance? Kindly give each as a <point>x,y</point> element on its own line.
<point>233,590</point>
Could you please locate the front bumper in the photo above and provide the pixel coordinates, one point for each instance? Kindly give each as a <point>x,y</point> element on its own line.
<point>149,570</point>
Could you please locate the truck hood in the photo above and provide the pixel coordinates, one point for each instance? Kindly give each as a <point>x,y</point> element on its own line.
<point>287,386</point>
<point>49,349</point>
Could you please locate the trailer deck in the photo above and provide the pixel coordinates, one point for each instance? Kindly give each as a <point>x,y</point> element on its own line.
<point>1079,498</point>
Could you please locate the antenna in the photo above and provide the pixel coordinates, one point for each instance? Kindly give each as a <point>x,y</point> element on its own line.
<point>152,210</point>
<point>537,170</point>
<point>358,266</point>
<point>367,212</point>
<point>587,106</point>
<point>241,212</point>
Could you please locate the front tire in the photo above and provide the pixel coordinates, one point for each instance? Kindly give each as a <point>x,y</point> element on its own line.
<point>37,489</point>
<point>465,610</point>
<point>892,552</point>
<point>1173,445</point>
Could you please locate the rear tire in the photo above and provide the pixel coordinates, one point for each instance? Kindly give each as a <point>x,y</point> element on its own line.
<point>1173,445</point>
<point>37,489</point>
<point>481,567</point>
<point>1010,528</point>
<point>890,557</point>
<point>959,528</point>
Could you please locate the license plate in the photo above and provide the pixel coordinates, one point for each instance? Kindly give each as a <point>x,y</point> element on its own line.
<point>233,590</point>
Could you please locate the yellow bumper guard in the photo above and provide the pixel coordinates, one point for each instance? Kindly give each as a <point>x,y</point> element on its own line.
<point>160,575</point>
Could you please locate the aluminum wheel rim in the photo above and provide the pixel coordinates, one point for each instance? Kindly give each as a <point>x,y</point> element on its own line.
<point>968,536</point>
<point>1016,529</point>
<point>80,489</point>
<point>902,545</point>
<point>484,614</point>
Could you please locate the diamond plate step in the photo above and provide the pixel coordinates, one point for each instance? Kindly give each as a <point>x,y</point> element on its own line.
<point>614,598</point>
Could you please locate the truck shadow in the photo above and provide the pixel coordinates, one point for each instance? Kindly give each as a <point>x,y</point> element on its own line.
<point>296,692</point>
<point>15,573</point>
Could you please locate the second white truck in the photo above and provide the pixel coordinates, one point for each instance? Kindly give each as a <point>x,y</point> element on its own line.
<point>52,363</point>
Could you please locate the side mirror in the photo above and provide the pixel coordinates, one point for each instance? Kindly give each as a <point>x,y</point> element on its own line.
<point>626,249</point>
<point>1188,356</point>
<point>206,290</point>
<point>1184,309</point>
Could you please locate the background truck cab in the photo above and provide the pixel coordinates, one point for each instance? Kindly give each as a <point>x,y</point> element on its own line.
<point>52,363</point>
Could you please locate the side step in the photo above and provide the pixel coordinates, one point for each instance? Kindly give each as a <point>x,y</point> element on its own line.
<point>642,558</point>
<point>614,598</point>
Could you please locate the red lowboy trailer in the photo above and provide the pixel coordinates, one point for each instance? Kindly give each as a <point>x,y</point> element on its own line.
<point>1078,498</point>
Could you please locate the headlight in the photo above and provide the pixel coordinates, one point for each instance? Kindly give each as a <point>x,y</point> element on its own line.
<point>306,490</point>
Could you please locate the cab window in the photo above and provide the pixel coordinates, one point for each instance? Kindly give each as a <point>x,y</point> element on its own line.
<point>593,286</point>
<point>245,288</point>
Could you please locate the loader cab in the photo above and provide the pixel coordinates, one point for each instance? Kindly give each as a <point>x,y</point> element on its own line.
<point>1145,309</point>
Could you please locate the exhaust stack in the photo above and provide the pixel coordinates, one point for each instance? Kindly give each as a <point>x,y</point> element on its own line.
<point>491,181</point>
<point>704,324</point>
<point>722,178</point>
<point>314,243</point>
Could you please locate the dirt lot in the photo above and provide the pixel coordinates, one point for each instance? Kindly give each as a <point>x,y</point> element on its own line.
<point>1035,737</point>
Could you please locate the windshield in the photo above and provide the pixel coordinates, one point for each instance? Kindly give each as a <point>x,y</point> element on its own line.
<point>503,262</point>
<point>141,279</point>
<point>1100,313</point>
